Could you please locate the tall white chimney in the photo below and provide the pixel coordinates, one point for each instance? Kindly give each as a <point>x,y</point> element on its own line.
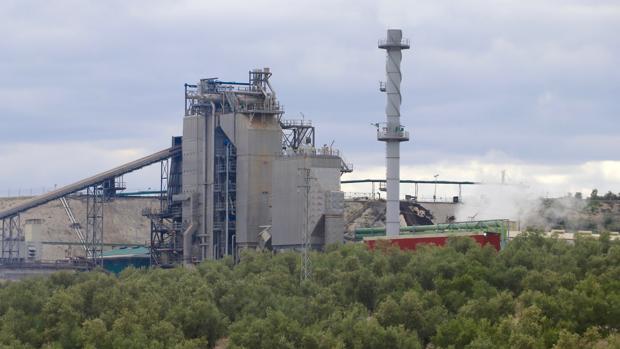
<point>392,132</point>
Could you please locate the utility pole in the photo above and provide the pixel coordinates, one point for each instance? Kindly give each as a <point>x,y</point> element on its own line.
<point>435,192</point>
<point>305,233</point>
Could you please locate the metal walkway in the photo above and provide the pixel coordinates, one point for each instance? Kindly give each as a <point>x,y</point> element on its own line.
<point>96,179</point>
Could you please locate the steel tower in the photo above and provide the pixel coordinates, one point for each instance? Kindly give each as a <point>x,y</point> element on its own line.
<point>392,132</point>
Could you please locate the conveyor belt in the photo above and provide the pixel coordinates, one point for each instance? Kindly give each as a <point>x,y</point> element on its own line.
<point>96,179</point>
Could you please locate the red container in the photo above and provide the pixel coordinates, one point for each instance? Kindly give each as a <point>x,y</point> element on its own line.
<point>410,242</point>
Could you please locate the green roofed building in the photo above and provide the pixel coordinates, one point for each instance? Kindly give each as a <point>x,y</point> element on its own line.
<point>129,256</point>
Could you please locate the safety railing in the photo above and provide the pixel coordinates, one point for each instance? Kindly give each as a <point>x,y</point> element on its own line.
<point>385,133</point>
<point>403,43</point>
<point>358,196</point>
<point>301,151</point>
<point>298,122</point>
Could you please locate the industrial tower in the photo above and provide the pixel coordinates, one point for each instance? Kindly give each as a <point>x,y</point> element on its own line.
<point>241,172</point>
<point>392,132</point>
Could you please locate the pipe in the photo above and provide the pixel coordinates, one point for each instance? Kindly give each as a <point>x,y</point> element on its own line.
<point>187,243</point>
<point>413,181</point>
<point>209,174</point>
<point>187,234</point>
<point>226,199</point>
<point>273,92</point>
<point>232,83</point>
<point>501,224</point>
<point>244,96</point>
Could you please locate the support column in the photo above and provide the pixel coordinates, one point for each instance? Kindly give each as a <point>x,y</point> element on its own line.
<point>12,238</point>
<point>94,222</point>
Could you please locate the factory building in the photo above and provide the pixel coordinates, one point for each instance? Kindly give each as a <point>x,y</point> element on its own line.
<point>245,172</point>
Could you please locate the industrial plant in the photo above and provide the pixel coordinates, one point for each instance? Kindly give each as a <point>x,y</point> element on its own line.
<point>241,176</point>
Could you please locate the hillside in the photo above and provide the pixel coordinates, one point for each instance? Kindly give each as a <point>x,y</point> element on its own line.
<point>123,221</point>
<point>570,213</point>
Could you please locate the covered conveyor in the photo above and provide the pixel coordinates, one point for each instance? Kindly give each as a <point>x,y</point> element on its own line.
<point>96,179</point>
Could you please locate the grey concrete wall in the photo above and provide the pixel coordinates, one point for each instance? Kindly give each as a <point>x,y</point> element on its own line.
<point>288,196</point>
<point>334,217</point>
<point>289,200</point>
<point>258,140</point>
<point>193,174</point>
<point>441,210</point>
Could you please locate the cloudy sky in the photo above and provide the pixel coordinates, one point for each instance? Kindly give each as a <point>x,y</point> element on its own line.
<point>529,87</point>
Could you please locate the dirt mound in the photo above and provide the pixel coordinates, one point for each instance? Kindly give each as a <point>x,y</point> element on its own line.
<point>363,213</point>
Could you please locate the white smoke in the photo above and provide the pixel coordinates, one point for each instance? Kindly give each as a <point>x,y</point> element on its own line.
<point>523,205</point>
<point>494,201</point>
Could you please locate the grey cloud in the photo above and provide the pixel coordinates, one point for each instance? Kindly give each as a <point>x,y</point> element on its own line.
<point>520,78</point>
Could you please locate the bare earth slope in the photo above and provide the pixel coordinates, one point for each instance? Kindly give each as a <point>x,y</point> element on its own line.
<point>123,221</point>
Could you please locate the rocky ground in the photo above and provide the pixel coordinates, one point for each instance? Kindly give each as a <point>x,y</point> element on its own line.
<point>371,213</point>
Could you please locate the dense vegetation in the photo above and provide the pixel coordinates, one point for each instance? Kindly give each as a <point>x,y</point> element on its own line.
<point>594,195</point>
<point>536,293</point>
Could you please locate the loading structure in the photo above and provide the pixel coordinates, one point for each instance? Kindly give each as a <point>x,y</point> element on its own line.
<point>166,220</point>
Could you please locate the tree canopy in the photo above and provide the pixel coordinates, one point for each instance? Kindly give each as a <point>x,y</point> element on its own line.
<point>536,293</point>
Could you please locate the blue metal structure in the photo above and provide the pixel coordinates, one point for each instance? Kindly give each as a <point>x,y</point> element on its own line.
<point>224,195</point>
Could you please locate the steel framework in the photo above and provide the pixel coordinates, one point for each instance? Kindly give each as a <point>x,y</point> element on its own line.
<point>164,247</point>
<point>224,196</point>
<point>296,133</point>
<point>166,222</point>
<point>95,200</point>
<point>12,235</point>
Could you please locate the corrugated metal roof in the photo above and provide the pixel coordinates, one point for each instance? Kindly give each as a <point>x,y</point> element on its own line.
<point>127,252</point>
